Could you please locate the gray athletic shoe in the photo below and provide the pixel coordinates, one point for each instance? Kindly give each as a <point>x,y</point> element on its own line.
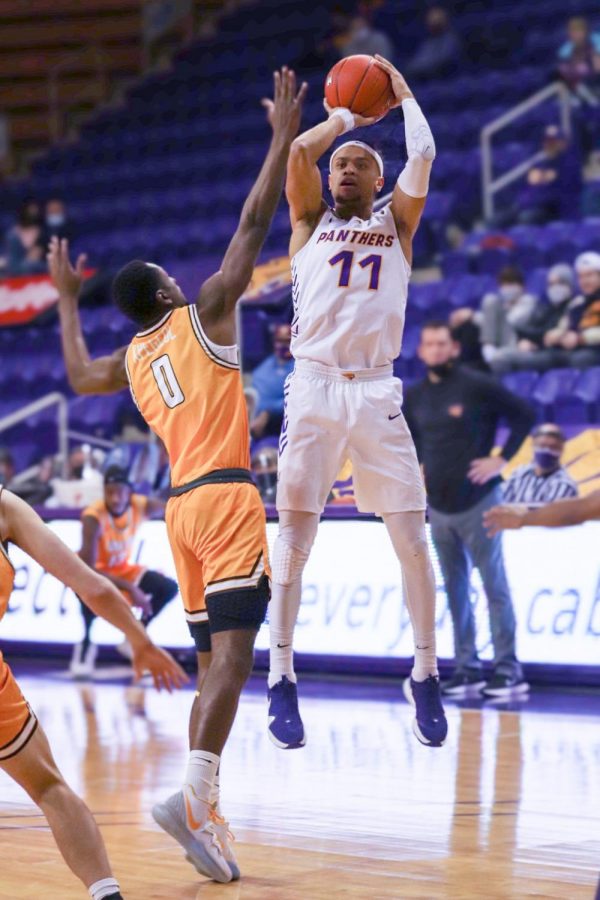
<point>201,845</point>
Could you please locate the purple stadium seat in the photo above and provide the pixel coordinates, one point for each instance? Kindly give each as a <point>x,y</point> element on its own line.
<point>552,387</point>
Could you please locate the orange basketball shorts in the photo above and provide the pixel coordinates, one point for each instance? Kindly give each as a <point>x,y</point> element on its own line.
<point>218,538</point>
<point>17,721</point>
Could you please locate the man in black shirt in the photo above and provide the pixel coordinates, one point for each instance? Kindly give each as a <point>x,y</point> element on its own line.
<point>453,415</point>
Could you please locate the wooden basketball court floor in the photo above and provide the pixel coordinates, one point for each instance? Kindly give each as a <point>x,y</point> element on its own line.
<point>509,808</point>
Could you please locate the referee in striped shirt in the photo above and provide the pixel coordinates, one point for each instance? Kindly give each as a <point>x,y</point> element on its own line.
<point>544,479</point>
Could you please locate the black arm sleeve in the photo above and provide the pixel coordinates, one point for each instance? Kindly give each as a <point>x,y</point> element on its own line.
<point>518,414</point>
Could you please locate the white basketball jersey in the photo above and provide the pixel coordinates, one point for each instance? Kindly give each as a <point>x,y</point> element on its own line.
<point>349,285</point>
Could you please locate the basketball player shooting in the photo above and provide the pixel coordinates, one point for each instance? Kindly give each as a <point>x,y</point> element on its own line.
<point>183,370</point>
<point>351,268</point>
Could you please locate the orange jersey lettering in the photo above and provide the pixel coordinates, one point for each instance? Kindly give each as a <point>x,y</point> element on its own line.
<point>190,393</point>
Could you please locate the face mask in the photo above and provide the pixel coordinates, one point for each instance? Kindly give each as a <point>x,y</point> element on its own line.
<point>558,293</point>
<point>546,460</point>
<point>55,220</point>
<point>442,370</point>
<point>510,292</point>
<point>282,351</point>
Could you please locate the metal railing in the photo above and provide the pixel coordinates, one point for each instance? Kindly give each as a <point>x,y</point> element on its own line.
<point>63,431</point>
<point>62,420</point>
<point>490,185</point>
<point>57,111</point>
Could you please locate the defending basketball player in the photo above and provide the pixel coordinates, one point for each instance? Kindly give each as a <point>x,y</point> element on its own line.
<point>351,268</point>
<point>183,370</point>
<point>25,754</point>
<point>560,514</point>
<point>109,530</point>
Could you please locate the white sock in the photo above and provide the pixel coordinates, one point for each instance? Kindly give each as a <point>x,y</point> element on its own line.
<point>425,659</point>
<point>407,531</point>
<point>103,888</point>
<point>198,782</point>
<point>297,532</point>
<point>283,612</point>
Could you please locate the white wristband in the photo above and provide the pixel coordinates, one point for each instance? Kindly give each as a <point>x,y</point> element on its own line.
<point>346,116</point>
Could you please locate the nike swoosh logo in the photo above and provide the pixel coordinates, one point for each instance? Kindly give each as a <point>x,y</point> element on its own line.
<point>193,824</point>
<point>394,417</point>
<point>281,646</point>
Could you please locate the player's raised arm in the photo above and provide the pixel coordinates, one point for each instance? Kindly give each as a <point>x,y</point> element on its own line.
<point>103,375</point>
<point>559,514</point>
<point>24,527</point>
<point>303,187</point>
<point>220,293</point>
<point>410,192</point>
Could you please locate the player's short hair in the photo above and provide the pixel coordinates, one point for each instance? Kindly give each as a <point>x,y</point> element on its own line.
<point>134,290</point>
<point>436,325</point>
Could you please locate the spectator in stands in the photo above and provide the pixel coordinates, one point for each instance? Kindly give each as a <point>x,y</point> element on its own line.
<point>361,37</point>
<point>440,52</point>
<point>579,58</point>
<point>502,312</point>
<point>56,223</point>
<point>37,489</point>
<point>489,336</point>
<point>24,250</point>
<point>453,415</point>
<point>268,379</point>
<point>544,479</point>
<point>554,184</point>
<point>537,334</point>
<point>83,483</point>
<point>578,334</point>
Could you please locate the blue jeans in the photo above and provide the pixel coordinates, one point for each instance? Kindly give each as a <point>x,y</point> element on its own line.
<point>461,541</point>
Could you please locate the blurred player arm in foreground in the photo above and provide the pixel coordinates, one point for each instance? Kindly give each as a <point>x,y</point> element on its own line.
<point>23,527</point>
<point>220,293</point>
<point>103,375</point>
<point>559,514</point>
<point>410,191</point>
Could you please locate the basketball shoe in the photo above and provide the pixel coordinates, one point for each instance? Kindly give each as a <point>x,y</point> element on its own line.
<point>198,839</point>
<point>429,725</point>
<point>286,729</point>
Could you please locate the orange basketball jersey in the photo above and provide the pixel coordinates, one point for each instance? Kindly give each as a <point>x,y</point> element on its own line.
<point>7,577</point>
<point>117,536</point>
<point>189,390</point>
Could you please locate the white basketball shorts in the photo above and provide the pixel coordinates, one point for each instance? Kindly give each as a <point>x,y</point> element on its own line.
<point>331,416</point>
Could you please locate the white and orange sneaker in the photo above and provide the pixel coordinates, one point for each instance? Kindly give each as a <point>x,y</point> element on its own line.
<point>225,839</point>
<point>198,837</point>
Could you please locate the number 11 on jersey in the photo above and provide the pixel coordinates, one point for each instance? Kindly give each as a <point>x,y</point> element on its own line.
<point>346,259</point>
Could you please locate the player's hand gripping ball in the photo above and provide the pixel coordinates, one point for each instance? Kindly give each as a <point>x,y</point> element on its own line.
<point>359,84</point>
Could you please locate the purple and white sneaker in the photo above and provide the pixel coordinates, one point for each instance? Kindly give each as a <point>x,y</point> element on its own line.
<point>429,725</point>
<point>286,729</point>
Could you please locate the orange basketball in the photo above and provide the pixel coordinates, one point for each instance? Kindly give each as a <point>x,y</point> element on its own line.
<point>360,85</point>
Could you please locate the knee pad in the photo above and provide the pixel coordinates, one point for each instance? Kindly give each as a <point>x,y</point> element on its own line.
<point>288,562</point>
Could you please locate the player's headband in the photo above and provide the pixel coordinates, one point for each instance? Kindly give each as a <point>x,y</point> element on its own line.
<point>364,146</point>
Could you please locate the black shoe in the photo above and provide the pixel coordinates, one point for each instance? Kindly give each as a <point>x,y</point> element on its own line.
<point>464,684</point>
<point>505,686</point>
